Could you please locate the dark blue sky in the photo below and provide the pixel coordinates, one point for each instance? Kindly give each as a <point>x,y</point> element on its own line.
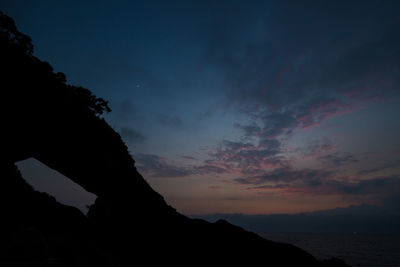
<point>236,106</point>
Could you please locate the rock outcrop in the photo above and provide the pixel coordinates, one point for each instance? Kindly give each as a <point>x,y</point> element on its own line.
<point>130,224</point>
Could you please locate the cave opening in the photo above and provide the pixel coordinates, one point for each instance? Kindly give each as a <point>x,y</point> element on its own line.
<point>44,179</point>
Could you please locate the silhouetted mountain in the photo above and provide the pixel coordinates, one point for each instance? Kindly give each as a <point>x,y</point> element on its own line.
<point>129,224</point>
<point>34,226</point>
<point>359,219</point>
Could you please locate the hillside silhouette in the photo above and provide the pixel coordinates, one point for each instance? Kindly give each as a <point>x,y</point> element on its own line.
<point>130,224</point>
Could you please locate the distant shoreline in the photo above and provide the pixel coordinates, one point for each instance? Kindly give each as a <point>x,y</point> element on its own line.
<point>363,219</point>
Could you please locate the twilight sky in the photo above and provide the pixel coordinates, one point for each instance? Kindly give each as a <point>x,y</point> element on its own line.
<point>235,106</point>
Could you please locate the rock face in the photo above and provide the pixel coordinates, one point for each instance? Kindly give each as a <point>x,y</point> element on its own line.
<point>34,226</point>
<point>130,224</point>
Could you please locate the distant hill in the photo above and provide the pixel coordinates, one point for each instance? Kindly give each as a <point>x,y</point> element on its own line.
<point>360,219</point>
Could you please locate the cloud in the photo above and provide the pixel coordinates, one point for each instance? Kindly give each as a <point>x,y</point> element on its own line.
<point>156,166</point>
<point>188,157</point>
<point>246,157</point>
<point>318,148</point>
<point>286,175</point>
<point>211,168</point>
<point>229,157</point>
<point>249,130</point>
<point>277,123</point>
<point>283,181</point>
<point>287,72</point>
<point>293,73</point>
<point>386,185</point>
<point>385,166</point>
<point>292,70</point>
<point>338,159</point>
<point>131,135</point>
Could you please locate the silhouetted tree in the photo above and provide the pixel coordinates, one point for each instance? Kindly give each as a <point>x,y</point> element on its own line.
<point>17,49</point>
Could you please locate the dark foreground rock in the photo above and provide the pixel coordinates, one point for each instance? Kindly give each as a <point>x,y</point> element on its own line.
<point>130,224</point>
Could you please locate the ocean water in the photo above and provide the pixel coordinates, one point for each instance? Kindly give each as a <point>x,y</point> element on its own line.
<point>358,250</point>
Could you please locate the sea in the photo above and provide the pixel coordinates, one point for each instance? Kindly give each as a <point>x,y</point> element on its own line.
<point>357,250</point>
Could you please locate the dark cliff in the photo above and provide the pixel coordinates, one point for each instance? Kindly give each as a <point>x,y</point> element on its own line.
<point>129,224</point>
